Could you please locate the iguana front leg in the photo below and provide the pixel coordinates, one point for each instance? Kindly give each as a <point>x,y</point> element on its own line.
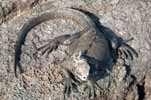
<point>91,86</point>
<point>122,49</point>
<point>70,83</point>
<point>126,51</point>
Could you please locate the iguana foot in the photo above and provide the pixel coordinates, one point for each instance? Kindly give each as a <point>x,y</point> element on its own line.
<point>70,87</point>
<point>70,83</point>
<point>91,88</point>
<point>126,51</point>
<point>49,47</point>
<point>54,43</point>
<point>123,50</point>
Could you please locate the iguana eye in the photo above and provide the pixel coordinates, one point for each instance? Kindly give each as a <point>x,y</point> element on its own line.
<point>84,78</point>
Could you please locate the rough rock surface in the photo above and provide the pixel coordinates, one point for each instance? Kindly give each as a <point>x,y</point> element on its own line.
<point>127,18</point>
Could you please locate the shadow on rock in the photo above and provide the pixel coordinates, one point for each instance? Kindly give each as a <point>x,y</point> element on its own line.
<point>119,48</point>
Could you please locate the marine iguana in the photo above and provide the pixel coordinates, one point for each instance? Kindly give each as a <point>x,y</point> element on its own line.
<point>88,47</point>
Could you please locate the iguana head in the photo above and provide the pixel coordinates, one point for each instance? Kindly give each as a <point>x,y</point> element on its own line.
<point>81,67</point>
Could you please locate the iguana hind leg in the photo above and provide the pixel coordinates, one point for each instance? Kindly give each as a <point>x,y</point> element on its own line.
<point>53,44</point>
<point>60,40</point>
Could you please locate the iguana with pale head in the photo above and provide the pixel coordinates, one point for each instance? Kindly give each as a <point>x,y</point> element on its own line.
<point>88,48</point>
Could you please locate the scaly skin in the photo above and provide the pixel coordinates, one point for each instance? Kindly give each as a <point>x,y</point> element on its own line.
<point>85,24</point>
<point>80,19</point>
<point>88,48</point>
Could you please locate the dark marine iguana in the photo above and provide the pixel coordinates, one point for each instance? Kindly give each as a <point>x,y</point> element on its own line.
<point>87,47</point>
